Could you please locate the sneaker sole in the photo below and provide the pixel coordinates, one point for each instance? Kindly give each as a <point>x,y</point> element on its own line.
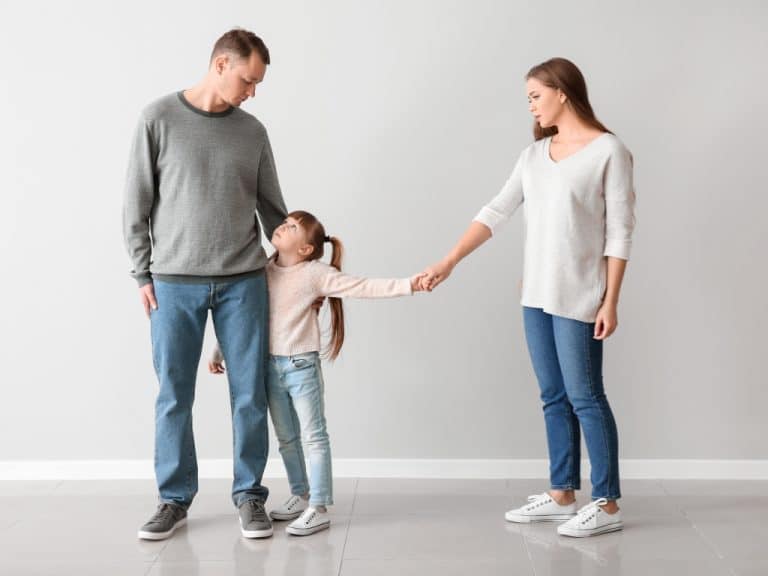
<point>307,531</point>
<point>281,516</point>
<point>255,533</point>
<point>523,519</point>
<point>144,535</point>
<point>584,533</point>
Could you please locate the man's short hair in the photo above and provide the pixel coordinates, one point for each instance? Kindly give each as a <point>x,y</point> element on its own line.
<point>242,43</point>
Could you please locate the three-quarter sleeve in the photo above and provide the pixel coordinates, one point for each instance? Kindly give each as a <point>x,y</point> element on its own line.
<point>619,192</point>
<point>504,204</point>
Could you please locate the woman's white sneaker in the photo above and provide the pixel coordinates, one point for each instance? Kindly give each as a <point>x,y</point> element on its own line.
<point>311,521</point>
<point>591,520</point>
<point>291,508</point>
<point>541,508</point>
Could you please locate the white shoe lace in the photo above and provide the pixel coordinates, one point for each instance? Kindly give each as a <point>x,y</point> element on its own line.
<point>309,515</point>
<point>537,500</point>
<point>586,513</point>
<point>291,503</point>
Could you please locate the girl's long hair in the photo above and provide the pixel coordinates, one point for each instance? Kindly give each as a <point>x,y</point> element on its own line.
<point>565,75</point>
<point>316,238</point>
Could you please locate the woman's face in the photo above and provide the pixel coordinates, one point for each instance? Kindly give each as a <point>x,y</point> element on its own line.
<point>545,103</point>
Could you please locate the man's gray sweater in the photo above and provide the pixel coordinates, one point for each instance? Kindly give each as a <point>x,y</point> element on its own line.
<point>196,181</point>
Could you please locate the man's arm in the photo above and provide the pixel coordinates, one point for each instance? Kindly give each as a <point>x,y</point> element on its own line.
<point>269,204</point>
<point>138,200</point>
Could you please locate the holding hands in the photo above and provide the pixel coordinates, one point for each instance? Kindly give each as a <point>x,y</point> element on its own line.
<point>475,235</point>
<point>435,274</point>
<point>417,282</point>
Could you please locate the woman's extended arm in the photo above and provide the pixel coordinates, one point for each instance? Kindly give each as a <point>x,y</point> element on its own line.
<point>474,236</point>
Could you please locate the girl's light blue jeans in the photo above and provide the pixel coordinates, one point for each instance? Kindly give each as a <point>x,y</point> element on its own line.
<point>295,394</point>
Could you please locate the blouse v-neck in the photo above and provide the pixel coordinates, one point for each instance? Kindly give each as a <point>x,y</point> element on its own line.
<point>572,154</point>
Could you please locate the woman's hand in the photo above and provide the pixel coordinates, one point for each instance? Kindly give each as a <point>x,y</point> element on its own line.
<point>416,282</point>
<point>606,321</point>
<point>475,235</point>
<point>436,274</point>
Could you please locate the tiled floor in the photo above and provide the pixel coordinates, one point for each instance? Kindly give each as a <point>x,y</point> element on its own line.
<point>398,527</point>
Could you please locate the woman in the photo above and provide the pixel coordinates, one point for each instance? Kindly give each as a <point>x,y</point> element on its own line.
<point>575,185</point>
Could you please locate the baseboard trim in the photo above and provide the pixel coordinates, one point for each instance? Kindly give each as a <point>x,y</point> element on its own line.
<point>389,468</point>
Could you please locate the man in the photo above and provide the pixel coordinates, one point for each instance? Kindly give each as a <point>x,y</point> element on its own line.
<point>200,171</point>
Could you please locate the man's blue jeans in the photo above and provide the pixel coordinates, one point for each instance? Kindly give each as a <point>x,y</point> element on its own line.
<point>568,362</point>
<point>240,311</point>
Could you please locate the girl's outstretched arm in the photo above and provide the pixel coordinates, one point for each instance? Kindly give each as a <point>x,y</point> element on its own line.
<point>333,283</point>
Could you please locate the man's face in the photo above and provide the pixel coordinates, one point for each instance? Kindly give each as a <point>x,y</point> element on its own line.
<point>238,77</point>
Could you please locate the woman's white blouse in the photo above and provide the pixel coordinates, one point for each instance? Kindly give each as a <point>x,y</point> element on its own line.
<point>577,211</point>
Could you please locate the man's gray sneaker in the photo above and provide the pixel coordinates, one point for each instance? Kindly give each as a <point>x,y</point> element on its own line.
<point>254,522</point>
<point>162,524</point>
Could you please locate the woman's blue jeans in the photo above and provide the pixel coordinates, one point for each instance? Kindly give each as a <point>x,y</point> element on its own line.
<point>568,361</point>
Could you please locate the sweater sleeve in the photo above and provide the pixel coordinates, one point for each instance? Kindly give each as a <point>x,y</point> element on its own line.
<point>619,192</point>
<point>269,204</point>
<point>138,200</point>
<point>506,201</point>
<point>331,282</point>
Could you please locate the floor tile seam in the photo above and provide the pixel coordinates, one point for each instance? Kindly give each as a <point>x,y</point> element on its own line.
<point>528,553</point>
<point>708,543</point>
<point>349,527</point>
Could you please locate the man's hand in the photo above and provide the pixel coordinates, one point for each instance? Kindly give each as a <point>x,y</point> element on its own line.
<point>317,304</point>
<point>147,295</point>
<point>216,367</point>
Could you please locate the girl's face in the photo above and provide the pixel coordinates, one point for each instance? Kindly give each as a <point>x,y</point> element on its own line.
<point>290,239</point>
<point>545,103</point>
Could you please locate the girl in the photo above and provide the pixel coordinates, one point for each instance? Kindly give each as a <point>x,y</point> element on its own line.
<point>575,185</point>
<point>296,278</point>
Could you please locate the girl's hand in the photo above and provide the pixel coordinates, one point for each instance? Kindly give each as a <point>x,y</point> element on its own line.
<point>216,367</point>
<point>436,274</point>
<point>606,321</point>
<point>416,282</point>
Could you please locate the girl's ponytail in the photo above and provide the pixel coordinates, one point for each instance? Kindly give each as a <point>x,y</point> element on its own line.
<point>337,309</point>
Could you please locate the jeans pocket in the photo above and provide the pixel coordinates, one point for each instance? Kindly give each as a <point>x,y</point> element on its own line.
<point>302,361</point>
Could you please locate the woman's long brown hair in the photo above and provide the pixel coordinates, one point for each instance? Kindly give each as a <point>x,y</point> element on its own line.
<point>316,238</point>
<point>565,75</point>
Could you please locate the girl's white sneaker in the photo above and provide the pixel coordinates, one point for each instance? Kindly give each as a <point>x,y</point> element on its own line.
<point>311,521</point>
<point>591,520</point>
<point>541,508</point>
<point>291,508</point>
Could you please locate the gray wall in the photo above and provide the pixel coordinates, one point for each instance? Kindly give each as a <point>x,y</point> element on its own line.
<point>395,122</point>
